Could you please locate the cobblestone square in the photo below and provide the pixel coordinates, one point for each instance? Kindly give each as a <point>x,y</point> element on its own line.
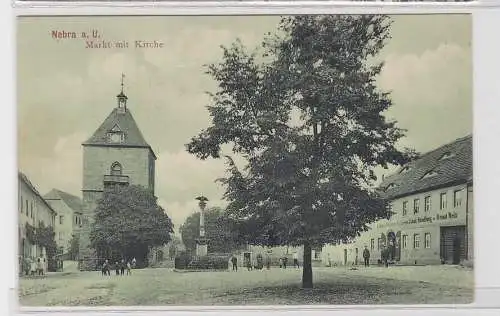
<point>157,287</point>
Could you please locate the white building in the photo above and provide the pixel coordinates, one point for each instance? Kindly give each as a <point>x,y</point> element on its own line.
<point>34,212</point>
<point>432,203</point>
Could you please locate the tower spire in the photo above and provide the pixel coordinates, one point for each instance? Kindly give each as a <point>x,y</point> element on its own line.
<point>122,98</point>
<point>123,77</point>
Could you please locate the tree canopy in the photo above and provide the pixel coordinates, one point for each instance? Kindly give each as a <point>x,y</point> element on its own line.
<point>305,113</point>
<point>218,230</point>
<point>128,222</point>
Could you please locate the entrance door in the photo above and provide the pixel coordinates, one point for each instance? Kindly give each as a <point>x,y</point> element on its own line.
<point>345,256</point>
<point>391,245</point>
<point>452,244</point>
<point>397,256</point>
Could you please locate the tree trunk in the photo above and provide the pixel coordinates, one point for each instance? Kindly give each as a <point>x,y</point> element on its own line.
<point>307,278</point>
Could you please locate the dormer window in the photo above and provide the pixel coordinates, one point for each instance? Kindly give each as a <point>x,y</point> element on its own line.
<point>116,137</point>
<point>447,155</point>
<point>430,174</point>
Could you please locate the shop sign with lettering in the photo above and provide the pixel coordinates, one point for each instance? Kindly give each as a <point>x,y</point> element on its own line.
<point>423,219</point>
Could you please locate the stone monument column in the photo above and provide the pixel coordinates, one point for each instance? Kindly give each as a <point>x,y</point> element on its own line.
<point>202,241</point>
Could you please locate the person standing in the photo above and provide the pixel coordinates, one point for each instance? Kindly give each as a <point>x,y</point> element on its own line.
<point>39,266</point>
<point>260,263</point>
<point>385,256</point>
<point>27,265</point>
<point>129,268</point>
<point>104,268</point>
<point>33,267</point>
<point>117,268</point>
<point>122,267</point>
<point>296,260</point>
<point>249,263</point>
<point>366,256</point>
<point>234,261</point>
<point>134,262</point>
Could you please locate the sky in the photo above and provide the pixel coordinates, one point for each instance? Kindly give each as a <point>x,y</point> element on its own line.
<point>66,90</point>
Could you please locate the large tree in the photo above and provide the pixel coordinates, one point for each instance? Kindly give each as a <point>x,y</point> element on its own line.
<point>218,230</point>
<point>305,113</point>
<point>128,223</point>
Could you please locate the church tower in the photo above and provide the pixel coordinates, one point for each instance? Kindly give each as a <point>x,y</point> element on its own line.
<point>116,155</point>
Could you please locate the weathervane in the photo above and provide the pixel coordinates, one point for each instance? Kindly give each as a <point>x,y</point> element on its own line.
<point>123,77</point>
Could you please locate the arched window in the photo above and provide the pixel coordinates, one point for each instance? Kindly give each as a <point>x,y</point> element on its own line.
<point>116,169</point>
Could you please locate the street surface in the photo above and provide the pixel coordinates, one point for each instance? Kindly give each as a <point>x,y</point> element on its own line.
<point>154,287</point>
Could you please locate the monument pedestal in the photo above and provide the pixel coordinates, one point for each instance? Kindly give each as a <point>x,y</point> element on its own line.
<point>201,247</point>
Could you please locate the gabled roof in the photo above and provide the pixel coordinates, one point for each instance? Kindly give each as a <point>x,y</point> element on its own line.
<point>448,164</point>
<point>123,121</point>
<point>74,202</point>
<point>23,178</point>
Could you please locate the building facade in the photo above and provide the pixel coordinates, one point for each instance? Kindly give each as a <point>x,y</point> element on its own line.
<point>116,154</point>
<point>69,216</point>
<point>431,199</point>
<point>34,211</point>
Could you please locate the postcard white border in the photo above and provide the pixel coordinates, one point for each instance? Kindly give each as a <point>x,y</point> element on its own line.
<point>486,50</point>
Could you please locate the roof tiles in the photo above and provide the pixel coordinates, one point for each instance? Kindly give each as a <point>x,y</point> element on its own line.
<point>450,163</point>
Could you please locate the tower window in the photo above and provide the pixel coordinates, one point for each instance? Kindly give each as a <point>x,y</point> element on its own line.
<point>116,137</point>
<point>116,169</point>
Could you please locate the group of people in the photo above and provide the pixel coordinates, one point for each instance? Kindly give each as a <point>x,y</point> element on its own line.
<point>37,266</point>
<point>260,262</point>
<point>283,261</point>
<point>385,254</point>
<point>119,267</point>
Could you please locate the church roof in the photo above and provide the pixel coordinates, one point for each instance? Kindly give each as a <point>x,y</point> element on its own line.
<point>446,165</point>
<point>74,202</point>
<point>119,121</point>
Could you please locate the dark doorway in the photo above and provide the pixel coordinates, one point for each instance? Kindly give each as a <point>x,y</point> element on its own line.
<point>159,255</point>
<point>23,247</point>
<point>246,258</point>
<point>391,245</point>
<point>397,255</point>
<point>452,244</point>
